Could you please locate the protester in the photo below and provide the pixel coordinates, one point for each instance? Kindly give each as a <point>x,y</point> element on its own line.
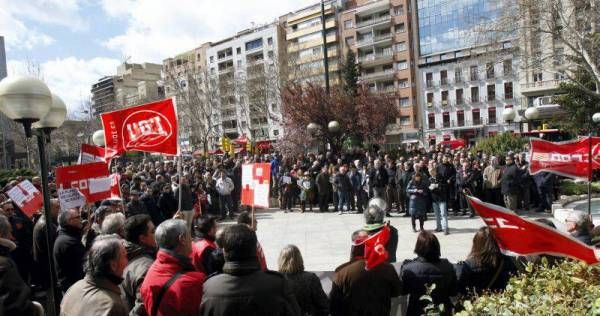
<point>98,293</point>
<point>305,285</point>
<point>135,206</point>
<point>426,270</point>
<point>95,229</point>
<point>114,224</point>
<point>491,182</point>
<point>225,186</point>
<point>140,243</point>
<point>15,292</point>
<point>203,250</point>
<point>41,257</point>
<point>250,221</point>
<point>242,288</point>
<point>172,273</point>
<point>374,217</point>
<point>358,291</point>
<point>68,251</point>
<point>578,224</point>
<point>150,201</point>
<point>418,192</point>
<point>439,196</point>
<point>344,189</point>
<point>511,184</point>
<point>323,189</point>
<point>485,268</point>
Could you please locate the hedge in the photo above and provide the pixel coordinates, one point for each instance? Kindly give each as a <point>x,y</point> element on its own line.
<point>8,175</point>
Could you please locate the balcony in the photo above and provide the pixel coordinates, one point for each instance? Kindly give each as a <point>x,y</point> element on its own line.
<point>475,100</point>
<point>224,57</point>
<point>430,84</point>
<point>369,22</point>
<point>458,80</point>
<point>459,103</point>
<point>381,57</point>
<point>540,86</point>
<point>444,103</point>
<point>490,76</point>
<point>373,39</point>
<point>489,99</point>
<point>388,73</point>
<point>444,82</point>
<point>474,77</point>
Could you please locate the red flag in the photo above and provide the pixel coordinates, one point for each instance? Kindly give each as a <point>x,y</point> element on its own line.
<point>375,252</point>
<point>90,153</point>
<point>519,236</point>
<point>569,159</point>
<point>91,179</point>
<point>255,184</point>
<point>115,186</point>
<point>27,197</point>
<point>150,127</point>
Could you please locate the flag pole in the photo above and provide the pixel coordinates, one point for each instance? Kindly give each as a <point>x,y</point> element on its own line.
<point>179,172</point>
<point>590,172</point>
<point>253,218</point>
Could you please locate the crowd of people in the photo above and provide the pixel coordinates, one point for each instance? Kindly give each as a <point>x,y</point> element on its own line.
<point>165,247</point>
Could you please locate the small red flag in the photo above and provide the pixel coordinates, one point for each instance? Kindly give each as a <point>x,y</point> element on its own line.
<point>375,252</point>
<point>150,127</point>
<point>518,236</point>
<point>255,184</point>
<point>91,179</point>
<point>569,159</point>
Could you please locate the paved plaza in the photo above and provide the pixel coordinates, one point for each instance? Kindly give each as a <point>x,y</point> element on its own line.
<point>324,238</point>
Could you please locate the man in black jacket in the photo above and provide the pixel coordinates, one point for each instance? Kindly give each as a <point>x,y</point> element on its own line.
<point>69,251</point>
<point>40,275</point>
<point>242,288</point>
<point>150,201</point>
<point>379,179</point>
<point>511,184</point>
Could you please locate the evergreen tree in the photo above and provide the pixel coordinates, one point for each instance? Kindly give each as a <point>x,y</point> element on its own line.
<point>351,72</point>
<point>578,104</point>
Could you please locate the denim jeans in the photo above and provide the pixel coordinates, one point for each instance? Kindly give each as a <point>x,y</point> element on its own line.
<point>441,215</point>
<point>343,199</point>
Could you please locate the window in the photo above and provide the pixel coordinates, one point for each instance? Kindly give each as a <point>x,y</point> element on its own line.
<point>400,47</point>
<point>212,71</point>
<point>273,107</point>
<point>473,71</point>
<point>491,115</point>
<point>239,63</point>
<point>444,77</point>
<point>508,90</point>
<point>460,118</point>
<point>457,75</point>
<point>507,67</point>
<point>429,80</point>
<point>270,41</point>
<point>404,102</point>
<point>212,59</point>
<point>403,83</point>
<point>489,70</point>
<point>431,121</point>
<point>537,77</point>
<point>446,119</point>
<point>238,50</point>
<point>350,40</point>
<point>429,99</point>
<point>491,92</point>
<point>309,37</point>
<point>270,54</point>
<point>444,98</point>
<point>404,120</point>
<point>401,65</point>
<point>459,97</point>
<point>257,43</point>
<point>476,117</point>
<point>348,24</point>
<point>398,10</point>
<point>399,28</point>
<point>275,132</point>
<point>474,94</point>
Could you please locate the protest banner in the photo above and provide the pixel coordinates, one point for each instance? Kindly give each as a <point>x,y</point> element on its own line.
<point>91,179</point>
<point>70,198</point>
<point>27,197</point>
<point>255,184</point>
<point>569,159</point>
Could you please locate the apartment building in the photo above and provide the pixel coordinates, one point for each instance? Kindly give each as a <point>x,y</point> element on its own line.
<point>379,33</point>
<point>133,84</point>
<point>245,69</point>
<point>463,85</point>
<point>302,55</point>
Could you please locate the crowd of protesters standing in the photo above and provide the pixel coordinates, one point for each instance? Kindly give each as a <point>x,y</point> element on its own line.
<point>162,249</point>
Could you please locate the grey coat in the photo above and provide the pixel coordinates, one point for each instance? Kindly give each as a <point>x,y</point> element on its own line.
<point>140,259</point>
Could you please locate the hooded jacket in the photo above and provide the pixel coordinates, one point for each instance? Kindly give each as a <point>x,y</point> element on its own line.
<point>140,259</point>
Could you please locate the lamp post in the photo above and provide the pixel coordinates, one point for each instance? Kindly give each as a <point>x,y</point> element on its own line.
<point>509,114</point>
<point>28,100</point>
<point>98,138</point>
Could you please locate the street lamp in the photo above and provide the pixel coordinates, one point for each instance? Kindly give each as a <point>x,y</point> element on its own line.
<point>595,119</point>
<point>333,126</point>
<point>509,114</point>
<point>98,138</point>
<point>28,100</point>
<point>312,128</point>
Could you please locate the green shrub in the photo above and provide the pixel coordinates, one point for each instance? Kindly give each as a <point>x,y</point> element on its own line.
<point>500,144</point>
<point>568,187</point>
<point>7,175</point>
<point>569,288</point>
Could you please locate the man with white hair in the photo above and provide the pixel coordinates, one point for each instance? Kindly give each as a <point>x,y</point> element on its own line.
<point>69,251</point>
<point>579,225</point>
<point>98,293</point>
<point>113,224</point>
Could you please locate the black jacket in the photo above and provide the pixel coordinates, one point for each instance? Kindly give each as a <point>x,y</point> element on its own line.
<point>379,177</point>
<point>416,273</point>
<point>136,208</point>
<point>511,183</point>
<point>440,191</point>
<point>151,204</point>
<point>40,273</point>
<point>69,254</point>
<point>473,277</point>
<point>342,181</point>
<point>309,293</point>
<point>14,292</point>
<point>187,202</point>
<point>243,289</point>
<point>167,204</point>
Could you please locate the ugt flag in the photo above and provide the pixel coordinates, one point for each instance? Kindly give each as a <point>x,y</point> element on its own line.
<point>90,153</point>
<point>150,127</point>
<point>91,179</point>
<point>516,235</point>
<point>255,184</point>
<point>569,159</point>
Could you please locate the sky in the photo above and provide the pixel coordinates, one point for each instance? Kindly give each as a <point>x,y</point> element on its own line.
<point>76,42</point>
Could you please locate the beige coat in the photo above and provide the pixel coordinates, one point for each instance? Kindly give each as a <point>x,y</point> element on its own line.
<point>491,177</point>
<point>93,297</point>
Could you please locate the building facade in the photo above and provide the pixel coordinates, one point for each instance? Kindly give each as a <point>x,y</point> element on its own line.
<point>133,84</point>
<point>302,55</point>
<point>463,84</point>
<point>380,34</point>
<point>245,69</point>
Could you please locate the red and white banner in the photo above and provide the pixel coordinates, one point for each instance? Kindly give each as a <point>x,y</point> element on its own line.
<point>518,236</point>
<point>115,186</point>
<point>375,252</point>
<point>255,184</point>
<point>150,127</point>
<point>569,159</point>
<point>91,179</point>
<point>27,197</point>
<point>90,153</point>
